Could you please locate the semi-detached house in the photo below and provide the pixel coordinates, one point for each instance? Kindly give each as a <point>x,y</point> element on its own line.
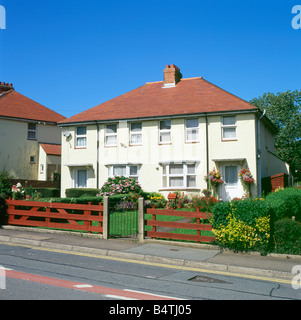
<point>30,139</point>
<point>168,135</point>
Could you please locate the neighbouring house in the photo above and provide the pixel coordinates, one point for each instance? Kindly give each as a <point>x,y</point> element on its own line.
<point>168,135</point>
<point>30,139</point>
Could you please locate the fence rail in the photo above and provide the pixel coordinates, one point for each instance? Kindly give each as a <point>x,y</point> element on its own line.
<point>55,215</point>
<point>197,226</point>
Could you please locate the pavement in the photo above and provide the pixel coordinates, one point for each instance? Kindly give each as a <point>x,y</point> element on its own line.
<point>208,258</point>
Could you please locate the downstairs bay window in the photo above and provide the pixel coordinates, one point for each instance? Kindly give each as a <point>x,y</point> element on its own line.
<point>179,176</point>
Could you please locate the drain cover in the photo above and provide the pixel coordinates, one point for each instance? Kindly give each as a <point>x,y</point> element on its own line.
<point>200,278</point>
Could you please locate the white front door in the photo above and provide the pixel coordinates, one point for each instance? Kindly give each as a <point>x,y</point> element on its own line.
<point>231,188</point>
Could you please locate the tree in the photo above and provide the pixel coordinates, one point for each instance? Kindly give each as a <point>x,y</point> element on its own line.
<point>284,111</point>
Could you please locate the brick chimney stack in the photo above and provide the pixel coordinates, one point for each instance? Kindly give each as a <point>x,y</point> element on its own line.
<point>172,76</point>
<point>5,87</point>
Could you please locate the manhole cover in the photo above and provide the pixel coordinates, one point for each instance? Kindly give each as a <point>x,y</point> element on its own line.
<point>200,278</point>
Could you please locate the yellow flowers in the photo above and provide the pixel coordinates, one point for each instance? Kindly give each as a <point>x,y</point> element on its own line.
<point>239,235</point>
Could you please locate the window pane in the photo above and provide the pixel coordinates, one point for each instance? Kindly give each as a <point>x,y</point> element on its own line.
<point>81,130</point>
<point>229,133</point>
<point>82,178</point>
<point>32,126</point>
<point>165,125</point>
<point>191,181</point>
<point>176,169</point>
<point>136,138</point>
<point>192,123</point>
<point>191,168</point>
<point>176,181</point>
<point>229,121</point>
<point>133,171</point>
<point>119,170</point>
<point>136,126</point>
<point>31,135</point>
<point>111,140</point>
<point>165,137</point>
<point>192,135</point>
<point>111,128</point>
<point>231,176</point>
<point>80,142</point>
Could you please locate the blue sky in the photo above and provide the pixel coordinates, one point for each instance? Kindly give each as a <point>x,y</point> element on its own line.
<point>73,55</point>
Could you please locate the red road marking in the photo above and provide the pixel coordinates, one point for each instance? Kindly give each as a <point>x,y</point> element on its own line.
<point>83,286</point>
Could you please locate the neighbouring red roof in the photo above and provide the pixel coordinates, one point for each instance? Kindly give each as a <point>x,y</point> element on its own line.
<point>189,96</point>
<point>52,149</point>
<point>15,105</point>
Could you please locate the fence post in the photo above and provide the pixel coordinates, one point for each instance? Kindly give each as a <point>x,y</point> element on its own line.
<point>141,219</point>
<point>105,222</point>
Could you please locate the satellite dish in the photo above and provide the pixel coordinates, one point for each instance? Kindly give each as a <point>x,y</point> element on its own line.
<point>66,134</point>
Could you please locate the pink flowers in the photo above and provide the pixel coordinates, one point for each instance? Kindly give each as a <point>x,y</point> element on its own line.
<point>246,176</point>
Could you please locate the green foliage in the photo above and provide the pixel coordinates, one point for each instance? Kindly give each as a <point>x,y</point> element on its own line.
<point>35,193</point>
<point>155,199</point>
<point>81,192</point>
<point>120,185</point>
<point>283,109</point>
<point>287,236</point>
<point>286,203</point>
<point>3,208</point>
<point>5,184</point>
<point>242,225</point>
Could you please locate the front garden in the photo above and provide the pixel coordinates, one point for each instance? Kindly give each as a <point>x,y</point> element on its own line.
<point>269,224</point>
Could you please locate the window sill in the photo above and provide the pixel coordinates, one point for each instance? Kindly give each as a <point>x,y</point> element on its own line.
<point>192,189</point>
<point>227,140</point>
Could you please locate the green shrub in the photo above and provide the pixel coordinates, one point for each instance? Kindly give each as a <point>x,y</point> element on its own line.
<point>286,203</point>
<point>120,185</point>
<point>5,184</point>
<point>243,225</point>
<point>3,208</point>
<point>287,236</point>
<point>42,192</point>
<point>81,192</point>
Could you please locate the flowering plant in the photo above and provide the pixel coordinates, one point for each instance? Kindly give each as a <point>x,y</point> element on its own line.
<point>18,191</point>
<point>119,185</point>
<point>214,177</point>
<point>245,176</point>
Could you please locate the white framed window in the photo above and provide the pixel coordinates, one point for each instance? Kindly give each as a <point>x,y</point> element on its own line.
<point>111,135</point>
<point>80,178</point>
<point>165,131</point>
<point>32,131</point>
<point>229,128</point>
<point>176,176</point>
<point>136,133</point>
<point>130,171</point>
<point>81,137</point>
<point>192,130</point>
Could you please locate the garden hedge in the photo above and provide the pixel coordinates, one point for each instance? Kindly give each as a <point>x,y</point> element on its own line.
<point>243,225</point>
<point>286,203</point>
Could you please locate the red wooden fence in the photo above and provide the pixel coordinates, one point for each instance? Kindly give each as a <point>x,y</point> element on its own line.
<point>55,215</point>
<point>183,225</point>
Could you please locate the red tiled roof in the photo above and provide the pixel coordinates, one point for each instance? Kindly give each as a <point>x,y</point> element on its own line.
<point>15,105</point>
<point>189,96</point>
<point>52,149</point>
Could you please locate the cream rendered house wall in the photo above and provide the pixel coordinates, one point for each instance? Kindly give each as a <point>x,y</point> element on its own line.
<point>150,155</point>
<point>16,149</point>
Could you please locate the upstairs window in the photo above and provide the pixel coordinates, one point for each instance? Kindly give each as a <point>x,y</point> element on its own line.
<point>165,131</point>
<point>32,131</point>
<point>136,133</point>
<point>81,137</point>
<point>111,135</point>
<point>229,128</point>
<point>192,130</point>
